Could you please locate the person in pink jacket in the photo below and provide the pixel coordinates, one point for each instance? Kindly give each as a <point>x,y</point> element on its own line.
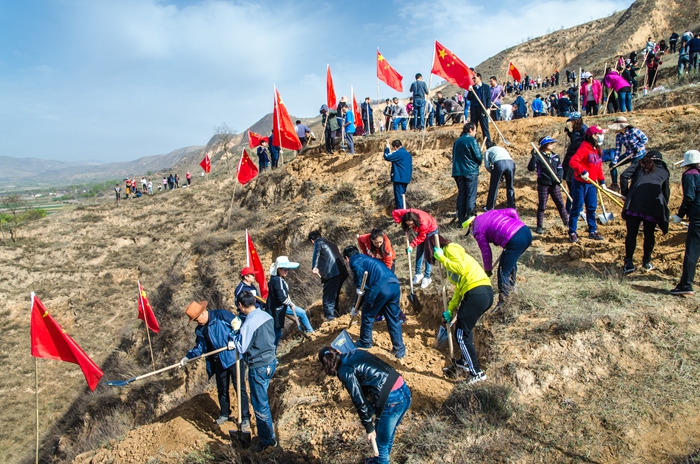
<point>591,94</point>
<point>621,87</point>
<point>504,228</point>
<point>426,228</point>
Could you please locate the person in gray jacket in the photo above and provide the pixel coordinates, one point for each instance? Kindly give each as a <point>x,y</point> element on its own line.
<point>466,159</point>
<point>498,162</point>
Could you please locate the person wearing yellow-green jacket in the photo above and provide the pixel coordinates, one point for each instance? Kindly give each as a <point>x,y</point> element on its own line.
<point>473,297</point>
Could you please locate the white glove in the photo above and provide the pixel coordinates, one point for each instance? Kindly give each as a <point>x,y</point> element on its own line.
<point>183,361</point>
<point>359,292</point>
<point>584,176</point>
<point>236,324</point>
<point>676,219</point>
<point>231,345</point>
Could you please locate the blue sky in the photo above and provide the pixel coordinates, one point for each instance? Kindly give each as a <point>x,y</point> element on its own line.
<point>114,81</point>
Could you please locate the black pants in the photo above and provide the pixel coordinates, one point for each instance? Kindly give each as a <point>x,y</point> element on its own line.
<point>331,294</point>
<point>591,109</point>
<point>633,223</point>
<point>466,196</point>
<point>224,378</point>
<point>330,140</point>
<point>504,168</point>
<point>474,303</point>
<point>399,191</point>
<point>692,253</point>
<point>481,119</point>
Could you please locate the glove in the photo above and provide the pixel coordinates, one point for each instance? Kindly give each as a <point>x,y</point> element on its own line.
<point>183,361</point>
<point>236,324</point>
<point>447,316</point>
<point>231,345</point>
<point>584,176</point>
<point>676,219</point>
<point>489,273</point>
<point>359,292</point>
<point>438,253</point>
<point>409,250</point>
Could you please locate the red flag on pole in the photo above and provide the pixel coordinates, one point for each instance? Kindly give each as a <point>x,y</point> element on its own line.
<point>513,72</point>
<point>447,65</point>
<point>255,139</point>
<point>253,259</point>
<point>387,74</point>
<point>247,170</point>
<point>283,131</point>
<point>356,111</point>
<point>206,163</point>
<point>49,340</point>
<point>146,312</point>
<point>330,91</point>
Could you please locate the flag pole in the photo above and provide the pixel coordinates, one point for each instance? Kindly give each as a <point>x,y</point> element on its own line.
<point>36,396</point>
<point>378,100</point>
<point>247,250</point>
<point>430,84</point>
<point>145,321</point>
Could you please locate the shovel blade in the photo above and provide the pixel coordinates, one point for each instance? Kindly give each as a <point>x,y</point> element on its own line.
<point>415,302</point>
<point>602,219</point>
<point>118,383</point>
<point>441,339</point>
<point>242,438</point>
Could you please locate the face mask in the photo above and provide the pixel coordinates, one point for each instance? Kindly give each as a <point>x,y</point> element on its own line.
<point>599,138</point>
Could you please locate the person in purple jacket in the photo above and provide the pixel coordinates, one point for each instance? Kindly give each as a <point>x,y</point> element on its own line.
<point>614,81</point>
<point>504,228</point>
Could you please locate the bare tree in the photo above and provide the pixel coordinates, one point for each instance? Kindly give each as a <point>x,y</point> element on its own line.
<point>13,203</point>
<point>224,135</point>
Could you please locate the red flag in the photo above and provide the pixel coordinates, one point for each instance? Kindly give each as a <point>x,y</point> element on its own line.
<point>513,71</point>
<point>247,170</point>
<point>330,91</point>
<point>387,74</point>
<point>206,163</point>
<point>146,312</point>
<point>253,259</point>
<point>356,111</point>
<point>255,139</point>
<point>447,65</point>
<point>49,340</point>
<point>283,131</point>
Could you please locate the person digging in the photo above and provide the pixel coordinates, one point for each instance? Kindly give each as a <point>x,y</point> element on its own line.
<point>215,329</point>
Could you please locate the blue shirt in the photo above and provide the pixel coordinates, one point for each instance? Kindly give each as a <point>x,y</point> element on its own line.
<point>378,275</point>
<point>419,89</point>
<point>537,105</point>
<point>401,165</point>
<point>349,123</point>
<point>302,130</point>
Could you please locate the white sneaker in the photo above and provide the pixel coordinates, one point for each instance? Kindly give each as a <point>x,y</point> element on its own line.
<point>417,278</point>
<point>426,282</point>
<point>480,376</point>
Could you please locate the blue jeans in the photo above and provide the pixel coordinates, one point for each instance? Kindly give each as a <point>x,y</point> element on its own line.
<point>397,121</point>
<point>420,251</point>
<point>508,266</point>
<point>583,193</point>
<point>625,99</point>
<point>351,143</point>
<point>418,110</point>
<point>396,406</point>
<point>386,303</point>
<point>259,380</point>
<point>303,318</point>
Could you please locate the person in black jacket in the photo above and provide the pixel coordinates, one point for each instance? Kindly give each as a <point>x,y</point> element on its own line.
<point>690,206</point>
<point>647,203</point>
<point>477,115</point>
<point>576,135</point>
<point>330,267</point>
<point>278,302</point>
<point>546,185</point>
<point>375,388</point>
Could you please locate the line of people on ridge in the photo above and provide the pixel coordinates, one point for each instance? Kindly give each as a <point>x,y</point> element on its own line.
<point>131,187</point>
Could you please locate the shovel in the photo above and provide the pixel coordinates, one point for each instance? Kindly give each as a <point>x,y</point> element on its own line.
<point>294,319</point>
<point>353,313</point>
<point>243,437</point>
<point>121,383</point>
<point>447,329</point>
<point>604,217</point>
<point>412,298</point>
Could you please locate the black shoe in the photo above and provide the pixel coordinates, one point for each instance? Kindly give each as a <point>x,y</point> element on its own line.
<point>265,448</point>
<point>539,231</point>
<point>629,267</point>
<point>573,237</point>
<point>595,236</point>
<point>679,292</point>
<point>648,266</point>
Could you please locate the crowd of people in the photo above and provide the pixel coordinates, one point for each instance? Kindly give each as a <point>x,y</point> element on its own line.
<point>134,189</point>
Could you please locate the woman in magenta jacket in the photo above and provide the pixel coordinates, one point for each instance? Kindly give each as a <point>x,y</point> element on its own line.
<point>591,94</point>
<point>504,228</point>
<point>619,85</point>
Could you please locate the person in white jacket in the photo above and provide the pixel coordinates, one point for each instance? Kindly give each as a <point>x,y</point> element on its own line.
<point>499,163</point>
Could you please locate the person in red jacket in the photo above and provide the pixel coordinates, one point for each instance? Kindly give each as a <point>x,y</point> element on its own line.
<point>591,94</point>
<point>377,245</point>
<point>587,164</point>
<point>425,226</point>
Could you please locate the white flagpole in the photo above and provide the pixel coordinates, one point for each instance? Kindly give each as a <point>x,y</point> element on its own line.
<point>430,84</point>
<point>247,250</point>
<point>36,393</point>
<point>145,321</point>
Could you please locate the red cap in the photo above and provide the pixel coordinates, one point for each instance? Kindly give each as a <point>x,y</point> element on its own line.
<point>594,130</point>
<point>247,271</point>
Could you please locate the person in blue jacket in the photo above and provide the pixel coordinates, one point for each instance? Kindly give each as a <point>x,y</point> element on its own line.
<point>215,329</point>
<point>401,170</point>
<point>247,284</point>
<point>381,297</point>
<point>274,152</point>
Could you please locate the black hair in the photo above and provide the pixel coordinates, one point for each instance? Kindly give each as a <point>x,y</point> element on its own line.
<point>387,100</point>
<point>418,75</point>
<point>494,78</point>
<point>330,360</point>
<point>592,140</point>
<point>410,216</point>
<point>396,143</point>
<point>298,122</point>
<point>374,234</point>
<point>647,163</point>
<point>350,251</point>
<point>245,299</point>
<point>490,144</point>
<point>478,74</point>
<point>314,235</point>
<point>468,127</point>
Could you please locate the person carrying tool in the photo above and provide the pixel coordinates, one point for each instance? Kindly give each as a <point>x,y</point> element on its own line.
<point>498,162</point>
<point>634,141</point>
<point>647,203</point>
<point>587,165</point>
<point>375,388</point>
<point>216,329</point>
<point>377,245</point>
<point>382,294</point>
<point>329,266</point>
<point>247,284</point>
<point>278,302</point>
<point>546,185</point>
<point>256,343</point>
<point>504,228</point>
<point>425,226</point>
<point>401,169</point>
<point>473,296</point>
<point>690,206</point>
<point>480,98</point>
<point>576,135</point>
